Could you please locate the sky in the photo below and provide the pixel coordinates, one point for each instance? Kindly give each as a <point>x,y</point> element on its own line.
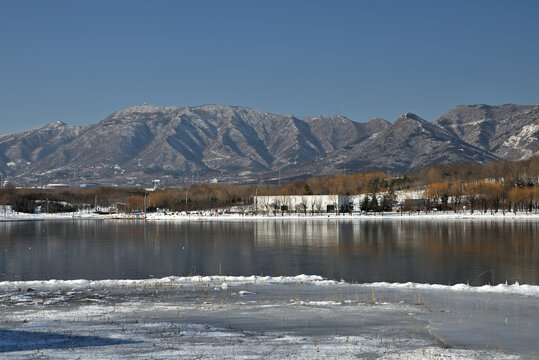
<point>79,61</point>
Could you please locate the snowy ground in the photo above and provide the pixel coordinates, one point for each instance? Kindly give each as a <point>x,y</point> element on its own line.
<point>388,216</point>
<point>303,317</point>
<point>211,216</point>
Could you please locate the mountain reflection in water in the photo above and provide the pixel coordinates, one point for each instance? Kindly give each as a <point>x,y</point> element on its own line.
<point>429,251</point>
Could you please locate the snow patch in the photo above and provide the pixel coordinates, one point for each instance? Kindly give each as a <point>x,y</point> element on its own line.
<point>224,282</point>
<point>245,293</point>
<point>524,137</point>
<point>516,288</point>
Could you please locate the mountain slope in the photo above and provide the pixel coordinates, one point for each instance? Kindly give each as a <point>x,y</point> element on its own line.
<point>337,131</point>
<point>508,131</point>
<point>210,140</point>
<point>409,143</point>
<point>19,151</point>
<point>175,144</point>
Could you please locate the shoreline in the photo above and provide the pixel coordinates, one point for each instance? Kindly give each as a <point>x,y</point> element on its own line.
<point>206,216</point>
<point>223,281</point>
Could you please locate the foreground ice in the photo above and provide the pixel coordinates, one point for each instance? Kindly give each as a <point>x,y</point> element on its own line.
<point>303,317</point>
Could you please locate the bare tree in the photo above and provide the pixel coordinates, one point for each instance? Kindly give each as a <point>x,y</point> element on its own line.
<point>285,204</point>
<point>317,204</point>
<point>276,205</point>
<point>303,205</point>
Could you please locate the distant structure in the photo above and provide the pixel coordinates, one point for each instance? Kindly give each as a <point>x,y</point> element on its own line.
<point>329,203</point>
<point>57,186</point>
<point>156,185</point>
<point>302,203</point>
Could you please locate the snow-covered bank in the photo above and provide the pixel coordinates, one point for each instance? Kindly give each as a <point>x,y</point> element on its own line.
<point>516,288</point>
<point>209,216</point>
<point>15,216</point>
<point>167,281</point>
<point>353,217</point>
<point>229,317</point>
<point>225,281</point>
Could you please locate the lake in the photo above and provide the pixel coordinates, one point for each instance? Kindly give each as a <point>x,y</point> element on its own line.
<point>423,251</point>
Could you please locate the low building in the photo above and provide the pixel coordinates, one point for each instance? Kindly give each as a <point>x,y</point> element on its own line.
<point>57,186</point>
<point>356,200</point>
<point>301,203</point>
<point>330,203</point>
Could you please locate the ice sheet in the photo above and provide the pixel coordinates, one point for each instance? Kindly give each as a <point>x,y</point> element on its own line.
<point>299,317</point>
<point>224,281</point>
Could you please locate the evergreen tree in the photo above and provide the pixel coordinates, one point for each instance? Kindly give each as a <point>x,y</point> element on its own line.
<point>307,190</point>
<point>388,200</point>
<point>364,206</point>
<point>373,203</point>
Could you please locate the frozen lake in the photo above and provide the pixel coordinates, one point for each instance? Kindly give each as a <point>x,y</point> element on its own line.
<point>432,251</point>
<point>404,293</point>
<point>301,317</point>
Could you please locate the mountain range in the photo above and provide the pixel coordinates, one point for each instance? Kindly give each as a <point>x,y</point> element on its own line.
<point>181,145</point>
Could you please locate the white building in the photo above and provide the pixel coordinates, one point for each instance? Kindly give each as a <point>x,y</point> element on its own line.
<point>301,203</point>
<point>400,197</point>
<point>324,203</point>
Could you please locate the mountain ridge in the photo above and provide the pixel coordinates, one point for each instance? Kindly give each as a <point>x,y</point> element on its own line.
<point>236,143</point>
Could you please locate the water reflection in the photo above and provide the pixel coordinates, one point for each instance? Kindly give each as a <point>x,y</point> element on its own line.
<point>442,252</point>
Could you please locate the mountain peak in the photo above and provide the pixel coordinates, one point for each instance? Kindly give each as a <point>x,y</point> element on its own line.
<point>144,108</point>
<point>328,119</point>
<point>55,125</point>
<point>375,125</point>
<point>410,116</point>
<point>378,120</point>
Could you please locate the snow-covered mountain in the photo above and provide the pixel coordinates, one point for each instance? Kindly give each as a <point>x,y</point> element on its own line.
<point>508,131</point>
<point>407,144</point>
<point>19,152</point>
<point>180,144</point>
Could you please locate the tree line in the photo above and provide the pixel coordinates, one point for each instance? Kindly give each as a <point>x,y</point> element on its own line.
<point>500,186</point>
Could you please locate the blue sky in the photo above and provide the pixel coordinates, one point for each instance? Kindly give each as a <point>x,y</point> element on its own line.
<point>79,61</point>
